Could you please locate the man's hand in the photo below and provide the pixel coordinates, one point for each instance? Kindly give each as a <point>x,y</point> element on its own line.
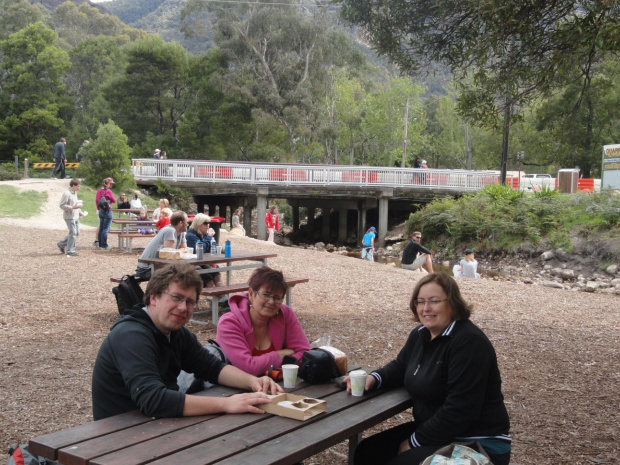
<point>242,403</point>
<point>404,446</point>
<point>265,384</point>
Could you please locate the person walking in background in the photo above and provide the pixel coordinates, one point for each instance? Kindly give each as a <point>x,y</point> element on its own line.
<point>156,154</point>
<point>368,244</point>
<point>272,221</point>
<point>71,213</point>
<point>235,222</point>
<point>59,158</point>
<point>469,265</point>
<point>105,217</point>
<point>83,150</point>
<point>457,270</point>
<point>411,260</point>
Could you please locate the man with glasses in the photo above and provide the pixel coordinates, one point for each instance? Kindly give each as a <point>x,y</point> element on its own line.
<point>171,236</point>
<point>139,361</point>
<point>415,255</point>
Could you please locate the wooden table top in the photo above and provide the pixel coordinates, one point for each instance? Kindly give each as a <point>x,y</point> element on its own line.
<point>134,439</point>
<point>132,221</point>
<point>209,259</point>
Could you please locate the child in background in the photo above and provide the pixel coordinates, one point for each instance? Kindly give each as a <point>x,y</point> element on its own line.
<point>164,218</point>
<point>143,216</point>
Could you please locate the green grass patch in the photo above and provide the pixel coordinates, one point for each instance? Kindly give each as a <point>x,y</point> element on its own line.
<point>15,203</point>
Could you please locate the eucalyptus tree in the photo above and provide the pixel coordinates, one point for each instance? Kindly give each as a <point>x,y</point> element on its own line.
<point>153,90</point>
<point>17,14</point>
<point>33,98</point>
<point>280,54</point>
<point>383,123</point>
<point>515,52</point>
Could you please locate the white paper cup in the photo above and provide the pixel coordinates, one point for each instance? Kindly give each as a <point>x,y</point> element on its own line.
<point>358,381</point>
<point>289,372</point>
<point>218,249</point>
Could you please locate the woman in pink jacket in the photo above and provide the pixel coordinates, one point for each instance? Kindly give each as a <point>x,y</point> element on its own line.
<point>260,331</point>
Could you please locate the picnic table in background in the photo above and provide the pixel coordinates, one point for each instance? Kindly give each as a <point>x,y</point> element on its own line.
<point>129,230</point>
<point>256,259</point>
<point>135,211</point>
<point>133,438</point>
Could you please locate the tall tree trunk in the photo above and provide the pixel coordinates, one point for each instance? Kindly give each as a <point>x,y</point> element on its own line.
<point>507,115</point>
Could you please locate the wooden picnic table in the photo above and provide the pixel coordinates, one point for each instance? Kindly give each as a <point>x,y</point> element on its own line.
<point>258,259</point>
<point>132,210</point>
<point>128,228</point>
<point>135,439</point>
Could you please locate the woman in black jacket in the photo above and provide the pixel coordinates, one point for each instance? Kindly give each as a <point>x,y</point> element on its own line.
<point>449,367</point>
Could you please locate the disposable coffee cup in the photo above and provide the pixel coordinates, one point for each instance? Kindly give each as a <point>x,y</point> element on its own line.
<point>289,372</point>
<point>358,381</point>
<point>219,249</point>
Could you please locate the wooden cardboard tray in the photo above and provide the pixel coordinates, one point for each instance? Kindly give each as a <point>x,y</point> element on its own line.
<point>297,407</point>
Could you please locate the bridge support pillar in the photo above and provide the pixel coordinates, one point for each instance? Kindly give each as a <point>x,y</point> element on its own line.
<point>325,225</point>
<point>384,199</point>
<point>247,217</point>
<point>295,218</point>
<point>261,211</point>
<point>311,223</point>
<point>342,224</point>
<point>361,220</point>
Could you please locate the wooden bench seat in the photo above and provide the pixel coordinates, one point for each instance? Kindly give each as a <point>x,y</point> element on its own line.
<point>118,280</point>
<point>215,293</point>
<point>128,238</point>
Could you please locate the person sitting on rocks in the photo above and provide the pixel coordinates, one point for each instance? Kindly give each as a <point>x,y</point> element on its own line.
<point>411,260</point>
<point>469,265</point>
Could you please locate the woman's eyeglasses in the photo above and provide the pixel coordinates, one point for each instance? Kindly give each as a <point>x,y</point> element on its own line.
<point>276,298</point>
<point>431,303</point>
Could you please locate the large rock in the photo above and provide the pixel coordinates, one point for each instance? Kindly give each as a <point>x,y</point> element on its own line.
<point>591,286</point>
<point>548,255</point>
<point>612,269</point>
<point>552,284</point>
<point>567,274</point>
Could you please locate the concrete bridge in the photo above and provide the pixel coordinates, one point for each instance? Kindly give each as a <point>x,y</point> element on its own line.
<point>352,191</point>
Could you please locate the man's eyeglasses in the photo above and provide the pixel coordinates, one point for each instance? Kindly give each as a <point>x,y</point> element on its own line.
<point>189,303</point>
<point>418,237</point>
<point>276,298</point>
<point>431,303</point>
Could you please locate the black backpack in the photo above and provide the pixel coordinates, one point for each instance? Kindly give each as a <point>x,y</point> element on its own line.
<point>19,455</point>
<point>318,366</point>
<point>128,293</point>
<point>104,204</point>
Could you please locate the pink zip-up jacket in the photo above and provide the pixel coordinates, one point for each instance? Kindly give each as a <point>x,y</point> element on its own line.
<point>235,335</point>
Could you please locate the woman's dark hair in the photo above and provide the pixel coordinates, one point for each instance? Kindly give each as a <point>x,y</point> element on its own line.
<point>272,280</point>
<point>184,274</point>
<point>461,310</point>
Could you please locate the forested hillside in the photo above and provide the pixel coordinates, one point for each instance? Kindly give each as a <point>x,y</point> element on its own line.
<point>264,81</point>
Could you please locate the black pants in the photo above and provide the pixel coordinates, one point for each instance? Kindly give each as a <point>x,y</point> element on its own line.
<point>382,448</point>
<point>60,166</point>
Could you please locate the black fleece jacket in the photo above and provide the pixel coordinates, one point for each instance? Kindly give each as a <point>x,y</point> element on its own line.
<point>137,368</point>
<point>454,382</point>
<point>410,253</point>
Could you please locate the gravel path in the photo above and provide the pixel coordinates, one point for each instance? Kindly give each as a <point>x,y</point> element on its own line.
<point>558,351</point>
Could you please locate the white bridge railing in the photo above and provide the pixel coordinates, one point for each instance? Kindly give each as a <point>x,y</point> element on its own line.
<point>321,175</point>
